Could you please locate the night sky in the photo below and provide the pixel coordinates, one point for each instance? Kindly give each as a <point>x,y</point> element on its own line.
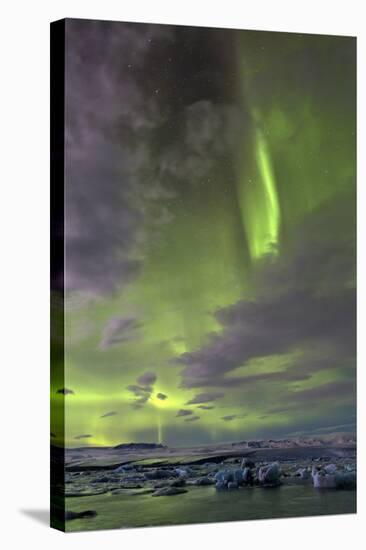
<point>209,235</point>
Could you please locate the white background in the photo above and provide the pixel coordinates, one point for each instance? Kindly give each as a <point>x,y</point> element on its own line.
<point>24,257</point>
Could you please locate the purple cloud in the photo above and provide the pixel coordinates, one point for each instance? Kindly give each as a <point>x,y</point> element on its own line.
<point>143,390</point>
<point>102,227</point>
<point>119,330</point>
<point>205,398</point>
<point>142,394</point>
<point>147,379</point>
<point>184,412</point>
<point>192,419</point>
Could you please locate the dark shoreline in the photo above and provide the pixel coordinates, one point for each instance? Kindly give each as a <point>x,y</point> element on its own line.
<point>162,459</point>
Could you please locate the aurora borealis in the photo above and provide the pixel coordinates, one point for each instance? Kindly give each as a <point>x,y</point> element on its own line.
<point>209,235</point>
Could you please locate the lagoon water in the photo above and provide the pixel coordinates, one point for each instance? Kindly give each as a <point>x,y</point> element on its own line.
<point>205,504</point>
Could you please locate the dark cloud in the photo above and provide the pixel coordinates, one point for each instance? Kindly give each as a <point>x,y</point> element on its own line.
<point>83,436</point>
<point>141,393</point>
<point>192,419</point>
<point>65,391</point>
<point>143,389</point>
<point>111,413</point>
<point>333,391</point>
<point>287,375</point>
<point>210,130</point>
<point>205,407</point>
<point>229,417</point>
<point>184,412</point>
<point>147,379</point>
<point>204,398</point>
<point>320,256</point>
<point>295,309</point>
<point>161,396</point>
<point>109,120</point>
<point>119,330</point>
<point>268,327</point>
<point>339,395</point>
<point>134,388</point>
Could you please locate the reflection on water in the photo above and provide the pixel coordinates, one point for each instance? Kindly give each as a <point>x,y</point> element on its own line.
<point>205,504</point>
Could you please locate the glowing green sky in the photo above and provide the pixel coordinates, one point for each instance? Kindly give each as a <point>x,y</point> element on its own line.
<point>209,232</point>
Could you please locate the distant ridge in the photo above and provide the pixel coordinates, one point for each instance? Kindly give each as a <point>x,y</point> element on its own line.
<point>140,446</point>
<point>315,441</point>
